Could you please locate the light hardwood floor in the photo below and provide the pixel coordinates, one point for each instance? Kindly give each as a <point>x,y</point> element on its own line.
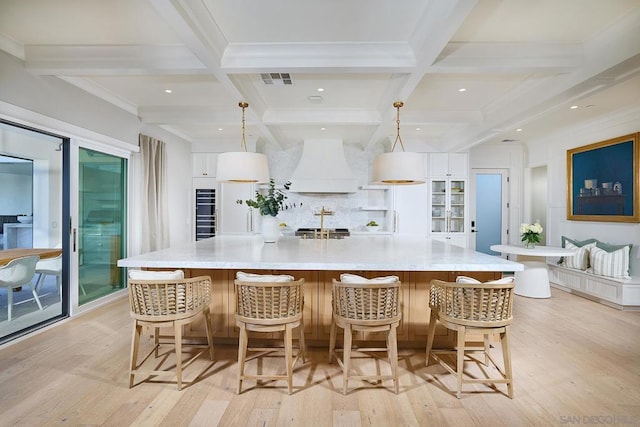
<point>575,362</point>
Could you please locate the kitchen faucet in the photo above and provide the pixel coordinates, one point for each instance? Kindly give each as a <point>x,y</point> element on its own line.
<point>322,233</point>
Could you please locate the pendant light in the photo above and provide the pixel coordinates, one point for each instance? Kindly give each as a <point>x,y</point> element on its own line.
<point>242,166</point>
<point>398,167</point>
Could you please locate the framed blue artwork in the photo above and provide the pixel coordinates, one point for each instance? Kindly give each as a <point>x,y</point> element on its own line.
<point>603,181</point>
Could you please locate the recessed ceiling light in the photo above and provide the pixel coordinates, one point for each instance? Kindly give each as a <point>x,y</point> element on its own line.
<point>518,130</point>
<point>462,89</point>
<point>168,91</point>
<point>220,129</point>
<point>320,89</point>
<point>573,107</point>
<point>322,128</point>
<point>418,129</point>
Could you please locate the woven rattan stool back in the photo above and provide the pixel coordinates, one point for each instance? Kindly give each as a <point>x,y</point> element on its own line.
<point>479,305</point>
<point>366,304</point>
<point>169,299</point>
<point>269,303</point>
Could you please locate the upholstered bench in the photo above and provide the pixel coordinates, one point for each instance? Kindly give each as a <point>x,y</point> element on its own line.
<point>599,271</point>
<point>623,294</point>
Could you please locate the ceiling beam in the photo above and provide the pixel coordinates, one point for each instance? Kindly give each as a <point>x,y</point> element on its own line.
<point>75,60</point>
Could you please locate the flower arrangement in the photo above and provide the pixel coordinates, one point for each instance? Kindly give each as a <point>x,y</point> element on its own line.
<point>372,224</point>
<point>272,202</point>
<point>531,234</point>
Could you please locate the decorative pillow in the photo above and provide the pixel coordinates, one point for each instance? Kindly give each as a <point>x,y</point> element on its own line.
<point>156,275</point>
<point>354,278</point>
<point>577,243</point>
<point>504,280</point>
<point>250,277</point>
<point>467,280</point>
<point>610,248</point>
<point>612,264</point>
<point>579,261</point>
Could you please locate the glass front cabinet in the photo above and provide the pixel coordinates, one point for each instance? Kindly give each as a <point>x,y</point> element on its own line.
<point>449,211</point>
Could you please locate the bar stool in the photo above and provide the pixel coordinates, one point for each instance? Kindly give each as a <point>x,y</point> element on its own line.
<point>369,305</point>
<point>477,308</point>
<point>266,304</point>
<point>161,299</point>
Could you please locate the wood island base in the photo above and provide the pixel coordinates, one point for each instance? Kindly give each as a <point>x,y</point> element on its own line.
<point>414,298</point>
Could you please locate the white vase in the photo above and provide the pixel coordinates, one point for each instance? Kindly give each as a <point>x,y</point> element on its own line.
<point>270,229</point>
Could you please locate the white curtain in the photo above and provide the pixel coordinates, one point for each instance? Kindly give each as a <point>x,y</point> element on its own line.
<point>154,209</point>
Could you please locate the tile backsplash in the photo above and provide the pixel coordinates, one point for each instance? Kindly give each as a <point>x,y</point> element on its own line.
<point>346,208</point>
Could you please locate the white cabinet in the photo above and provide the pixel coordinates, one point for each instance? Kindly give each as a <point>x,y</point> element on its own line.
<point>448,204</point>
<point>410,211</point>
<point>204,164</point>
<point>448,165</point>
<point>234,218</point>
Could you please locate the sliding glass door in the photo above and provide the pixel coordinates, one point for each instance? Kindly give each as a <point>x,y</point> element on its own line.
<point>101,231</point>
<point>31,226</point>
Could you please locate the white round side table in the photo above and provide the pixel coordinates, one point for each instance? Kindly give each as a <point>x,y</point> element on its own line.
<point>533,281</point>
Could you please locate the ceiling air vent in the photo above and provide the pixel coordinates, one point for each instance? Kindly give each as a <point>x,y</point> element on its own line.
<point>278,79</point>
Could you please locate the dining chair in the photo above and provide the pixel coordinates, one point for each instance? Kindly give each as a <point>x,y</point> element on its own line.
<point>267,304</point>
<point>474,308</point>
<point>368,305</point>
<point>49,267</point>
<point>16,273</point>
<point>167,300</point>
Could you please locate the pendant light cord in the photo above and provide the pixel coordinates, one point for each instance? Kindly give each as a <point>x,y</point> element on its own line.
<point>243,105</point>
<point>398,105</point>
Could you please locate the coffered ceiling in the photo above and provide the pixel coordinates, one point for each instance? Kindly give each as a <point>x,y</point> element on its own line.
<point>522,64</point>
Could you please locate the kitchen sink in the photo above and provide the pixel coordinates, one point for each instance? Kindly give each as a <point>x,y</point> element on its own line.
<point>312,233</point>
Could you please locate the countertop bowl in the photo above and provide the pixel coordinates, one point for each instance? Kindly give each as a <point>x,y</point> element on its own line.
<point>25,219</point>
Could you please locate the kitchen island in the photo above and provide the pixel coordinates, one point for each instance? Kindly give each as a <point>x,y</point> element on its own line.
<point>416,261</point>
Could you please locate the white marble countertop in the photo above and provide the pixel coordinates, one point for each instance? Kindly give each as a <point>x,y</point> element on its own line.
<point>366,253</point>
<point>541,251</point>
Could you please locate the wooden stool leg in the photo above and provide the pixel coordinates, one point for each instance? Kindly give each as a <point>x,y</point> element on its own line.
<point>346,361</point>
<point>392,351</point>
<point>178,337</point>
<point>487,348</point>
<point>301,342</point>
<point>506,355</point>
<point>288,355</point>
<point>156,340</point>
<point>433,319</point>
<point>135,342</point>
<point>332,339</point>
<point>209,331</point>
<point>242,354</point>
<point>460,358</point>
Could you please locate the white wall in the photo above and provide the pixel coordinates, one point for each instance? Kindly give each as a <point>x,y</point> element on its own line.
<point>13,189</point>
<point>539,195</point>
<point>552,151</point>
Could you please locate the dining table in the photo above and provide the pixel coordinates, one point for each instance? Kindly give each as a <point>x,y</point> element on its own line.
<point>533,281</point>
<point>9,255</point>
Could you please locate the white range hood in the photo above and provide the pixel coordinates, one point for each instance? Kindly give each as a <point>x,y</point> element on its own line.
<point>323,169</point>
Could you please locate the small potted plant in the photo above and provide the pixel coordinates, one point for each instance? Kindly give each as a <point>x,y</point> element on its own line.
<point>372,226</point>
<point>269,205</point>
